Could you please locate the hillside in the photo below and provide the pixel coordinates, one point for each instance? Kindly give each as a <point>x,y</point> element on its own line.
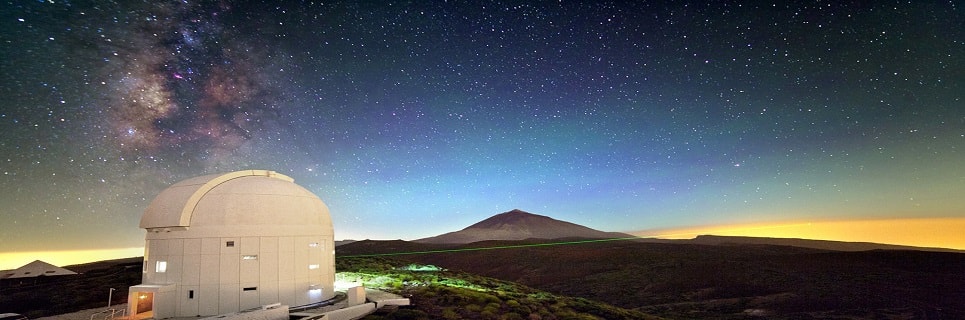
<point>590,279</point>
<point>443,294</point>
<point>519,225</point>
<point>681,280</point>
<point>45,296</point>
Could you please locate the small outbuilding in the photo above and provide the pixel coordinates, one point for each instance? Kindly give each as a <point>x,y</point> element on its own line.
<point>36,269</point>
<point>224,243</point>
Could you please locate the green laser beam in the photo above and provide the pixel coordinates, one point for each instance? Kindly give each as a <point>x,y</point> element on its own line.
<point>488,248</point>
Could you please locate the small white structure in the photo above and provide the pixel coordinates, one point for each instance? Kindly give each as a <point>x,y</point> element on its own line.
<point>36,269</point>
<point>224,243</point>
<point>355,296</point>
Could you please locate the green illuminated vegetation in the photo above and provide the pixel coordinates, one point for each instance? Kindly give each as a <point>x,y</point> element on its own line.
<point>440,294</point>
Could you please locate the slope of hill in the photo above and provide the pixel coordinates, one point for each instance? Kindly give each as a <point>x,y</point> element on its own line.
<point>519,225</point>
<point>685,280</point>
<point>46,296</point>
<point>443,294</point>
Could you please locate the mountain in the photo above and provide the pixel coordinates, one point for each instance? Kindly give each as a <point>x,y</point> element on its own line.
<point>520,225</point>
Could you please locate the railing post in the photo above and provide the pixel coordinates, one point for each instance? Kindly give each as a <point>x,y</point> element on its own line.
<point>110,294</point>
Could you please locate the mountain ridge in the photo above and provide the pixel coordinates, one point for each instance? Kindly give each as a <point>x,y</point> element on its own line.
<point>832,245</point>
<point>519,225</point>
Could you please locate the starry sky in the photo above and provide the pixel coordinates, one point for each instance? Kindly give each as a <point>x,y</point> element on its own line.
<point>414,119</point>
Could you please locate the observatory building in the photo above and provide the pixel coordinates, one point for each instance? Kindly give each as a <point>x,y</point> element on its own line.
<point>223,243</point>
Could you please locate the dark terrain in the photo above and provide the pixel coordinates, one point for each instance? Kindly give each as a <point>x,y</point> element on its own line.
<point>683,280</point>
<point>569,271</point>
<point>621,279</point>
<point>46,296</point>
<point>706,277</point>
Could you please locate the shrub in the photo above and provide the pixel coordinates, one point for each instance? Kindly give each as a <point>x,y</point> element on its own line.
<point>449,313</point>
<point>408,314</point>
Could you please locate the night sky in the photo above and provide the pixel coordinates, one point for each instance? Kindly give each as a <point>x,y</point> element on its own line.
<point>414,119</point>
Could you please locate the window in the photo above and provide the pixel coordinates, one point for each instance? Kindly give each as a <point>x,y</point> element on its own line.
<point>250,288</point>
<point>313,244</point>
<point>312,266</point>
<point>229,244</point>
<point>190,294</point>
<point>162,267</point>
<point>249,257</point>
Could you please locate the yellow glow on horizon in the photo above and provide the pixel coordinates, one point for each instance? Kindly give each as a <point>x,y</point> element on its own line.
<point>926,232</point>
<point>60,258</point>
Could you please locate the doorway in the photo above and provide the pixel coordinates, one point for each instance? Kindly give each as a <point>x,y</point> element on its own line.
<point>145,305</point>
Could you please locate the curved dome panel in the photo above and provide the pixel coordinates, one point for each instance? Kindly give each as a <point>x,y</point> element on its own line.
<point>250,197</point>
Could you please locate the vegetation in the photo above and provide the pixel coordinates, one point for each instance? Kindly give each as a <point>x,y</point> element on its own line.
<point>687,281</point>
<point>439,294</point>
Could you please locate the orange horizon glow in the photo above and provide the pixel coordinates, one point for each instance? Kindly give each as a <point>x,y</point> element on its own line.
<point>922,232</point>
<point>60,258</point>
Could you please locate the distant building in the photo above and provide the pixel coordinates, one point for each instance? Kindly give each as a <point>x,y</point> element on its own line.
<point>35,269</point>
<point>228,242</point>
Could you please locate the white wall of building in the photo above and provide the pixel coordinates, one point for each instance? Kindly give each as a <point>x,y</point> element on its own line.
<point>255,271</point>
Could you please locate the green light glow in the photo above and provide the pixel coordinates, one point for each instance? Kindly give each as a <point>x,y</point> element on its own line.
<point>490,248</point>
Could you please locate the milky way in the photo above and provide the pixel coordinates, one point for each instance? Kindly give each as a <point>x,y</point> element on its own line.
<point>413,119</point>
<point>180,81</point>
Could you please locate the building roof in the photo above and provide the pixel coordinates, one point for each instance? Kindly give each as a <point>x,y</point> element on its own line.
<point>36,269</point>
<point>241,198</point>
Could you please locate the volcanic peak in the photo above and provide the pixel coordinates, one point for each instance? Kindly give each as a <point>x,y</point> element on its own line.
<point>516,219</point>
<point>519,225</point>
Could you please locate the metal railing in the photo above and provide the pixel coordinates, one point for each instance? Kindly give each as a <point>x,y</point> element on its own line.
<point>109,314</point>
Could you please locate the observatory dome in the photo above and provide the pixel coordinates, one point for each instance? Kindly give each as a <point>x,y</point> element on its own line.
<point>247,202</point>
<point>228,242</point>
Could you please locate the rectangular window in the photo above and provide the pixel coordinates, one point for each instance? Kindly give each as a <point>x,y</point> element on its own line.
<point>250,288</point>
<point>190,294</point>
<point>312,266</point>
<point>229,244</point>
<point>249,257</point>
<point>161,267</point>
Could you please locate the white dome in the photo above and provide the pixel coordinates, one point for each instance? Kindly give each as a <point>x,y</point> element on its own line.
<point>251,200</point>
<point>228,242</point>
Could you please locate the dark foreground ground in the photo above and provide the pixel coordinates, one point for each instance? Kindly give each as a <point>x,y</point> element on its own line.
<point>719,281</point>
<point>597,280</point>
<point>45,296</point>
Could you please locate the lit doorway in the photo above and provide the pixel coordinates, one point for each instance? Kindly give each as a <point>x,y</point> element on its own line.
<point>145,305</point>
